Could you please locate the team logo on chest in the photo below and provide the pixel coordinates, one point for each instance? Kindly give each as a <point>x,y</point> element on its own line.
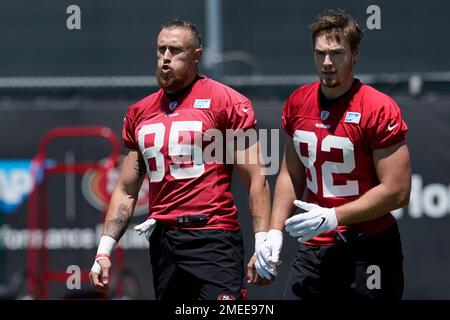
<point>173,105</point>
<point>324,115</point>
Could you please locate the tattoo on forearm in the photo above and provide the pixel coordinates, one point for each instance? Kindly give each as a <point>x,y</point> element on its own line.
<point>116,227</point>
<point>139,167</point>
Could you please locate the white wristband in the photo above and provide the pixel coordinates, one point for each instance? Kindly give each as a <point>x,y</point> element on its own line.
<point>106,245</point>
<point>260,237</point>
<point>105,248</point>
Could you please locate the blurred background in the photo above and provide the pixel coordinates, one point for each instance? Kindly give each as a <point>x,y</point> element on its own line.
<point>66,66</point>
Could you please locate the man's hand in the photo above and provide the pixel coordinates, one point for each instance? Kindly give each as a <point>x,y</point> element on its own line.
<point>252,275</point>
<point>148,226</point>
<point>99,275</point>
<point>268,254</point>
<point>100,270</point>
<point>311,223</point>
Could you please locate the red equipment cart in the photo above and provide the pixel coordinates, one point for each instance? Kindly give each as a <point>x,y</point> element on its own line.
<point>39,274</point>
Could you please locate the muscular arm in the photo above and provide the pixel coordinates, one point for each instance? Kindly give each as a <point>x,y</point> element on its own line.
<point>124,196</point>
<point>394,172</point>
<point>289,186</point>
<point>259,192</point>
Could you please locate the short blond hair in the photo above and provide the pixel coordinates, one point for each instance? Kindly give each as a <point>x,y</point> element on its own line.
<point>180,24</point>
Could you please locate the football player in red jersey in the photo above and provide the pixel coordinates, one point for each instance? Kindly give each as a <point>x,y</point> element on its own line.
<point>196,246</point>
<point>346,143</point>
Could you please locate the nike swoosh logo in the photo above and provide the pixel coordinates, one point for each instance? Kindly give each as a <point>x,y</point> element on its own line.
<point>323,220</point>
<point>390,128</point>
<point>245,109</point>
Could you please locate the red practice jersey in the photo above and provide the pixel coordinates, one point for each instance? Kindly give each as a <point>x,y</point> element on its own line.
<point>170,134</point>
<point>335,142</point>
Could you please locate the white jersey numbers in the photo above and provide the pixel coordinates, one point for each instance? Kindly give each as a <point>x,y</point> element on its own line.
<point>310,139</point>
<point>328,167</point>
<point>180,152</point>
<point>158,130</point>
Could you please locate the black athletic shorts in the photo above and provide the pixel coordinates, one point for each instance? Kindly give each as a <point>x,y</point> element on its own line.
<point>363,268</point>
<point>197,264</point>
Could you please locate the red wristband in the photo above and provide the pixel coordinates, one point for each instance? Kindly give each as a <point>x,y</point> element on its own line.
<point>102,255</point>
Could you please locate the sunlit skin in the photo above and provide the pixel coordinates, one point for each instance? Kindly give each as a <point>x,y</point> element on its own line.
<point>334,63</point>
<point>177,58</point>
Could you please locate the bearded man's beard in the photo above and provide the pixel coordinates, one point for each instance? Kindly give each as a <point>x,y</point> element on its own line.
<point>167,80</point>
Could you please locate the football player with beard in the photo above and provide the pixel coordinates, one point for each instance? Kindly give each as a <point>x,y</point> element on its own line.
<point>196,246</point>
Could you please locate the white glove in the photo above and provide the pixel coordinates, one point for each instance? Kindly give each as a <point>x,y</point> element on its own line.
<point>311,223</point>
<point>148,226</point>
<point>268,254</point>
<point>260,237</point>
